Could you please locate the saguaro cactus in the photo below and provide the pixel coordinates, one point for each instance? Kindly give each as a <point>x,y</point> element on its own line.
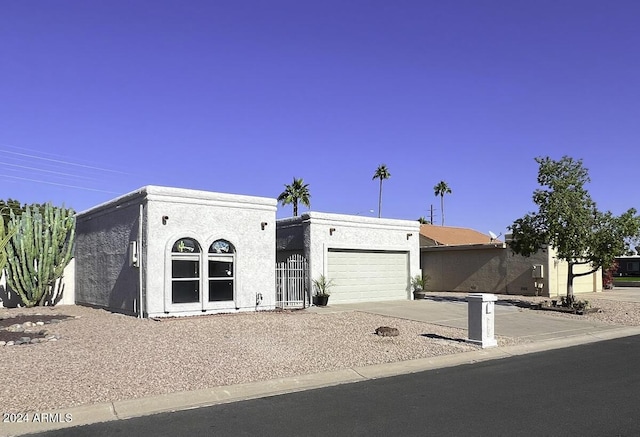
<point>39,251</point>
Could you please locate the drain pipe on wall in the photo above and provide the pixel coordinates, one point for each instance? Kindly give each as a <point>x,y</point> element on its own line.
<point>141,215</point>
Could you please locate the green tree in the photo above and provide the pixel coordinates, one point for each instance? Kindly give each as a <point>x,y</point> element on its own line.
<point>423,221</point>
<point>295,192</point>
<point>568,220</point>
<point>382,173</point>
<point>440,189</point>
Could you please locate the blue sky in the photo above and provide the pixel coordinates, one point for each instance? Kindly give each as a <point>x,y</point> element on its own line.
<point>99,98</point>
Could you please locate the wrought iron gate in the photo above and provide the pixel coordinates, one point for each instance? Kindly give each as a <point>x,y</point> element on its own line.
<point>291,282</point>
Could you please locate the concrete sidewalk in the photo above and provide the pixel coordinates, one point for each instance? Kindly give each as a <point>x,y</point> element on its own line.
<point>546,332</point>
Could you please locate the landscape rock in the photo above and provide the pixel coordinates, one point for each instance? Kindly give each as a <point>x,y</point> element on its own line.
<point>387,331</point>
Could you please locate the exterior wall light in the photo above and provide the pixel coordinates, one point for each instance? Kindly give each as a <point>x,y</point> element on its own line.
<point>263,225</point>
<point>331,231</point>
<point>409,235</point>
<point>164,219</point>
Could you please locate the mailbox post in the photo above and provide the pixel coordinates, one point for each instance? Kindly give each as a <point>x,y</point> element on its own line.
<point>481,310</point>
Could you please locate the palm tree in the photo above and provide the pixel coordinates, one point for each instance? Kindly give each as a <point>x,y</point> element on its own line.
<point>440,190</point>
<point>295,192</point>
<point>382,173</point>
<point>423,221</point>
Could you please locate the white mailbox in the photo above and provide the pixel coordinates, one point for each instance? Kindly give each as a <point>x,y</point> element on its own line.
<point>481,309</point>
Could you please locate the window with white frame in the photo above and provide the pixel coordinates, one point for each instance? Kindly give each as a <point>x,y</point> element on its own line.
<point>185,271</point>
<point>221,274</point>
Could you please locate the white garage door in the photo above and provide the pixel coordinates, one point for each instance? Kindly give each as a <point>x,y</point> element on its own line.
<point>362,276</point>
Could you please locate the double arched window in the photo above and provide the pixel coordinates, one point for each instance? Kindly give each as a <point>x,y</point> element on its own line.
<point>191,272</point>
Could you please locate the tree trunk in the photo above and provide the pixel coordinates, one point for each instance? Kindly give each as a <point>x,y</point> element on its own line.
<point>442,208</point>
<point>380,200</point>
<point>295,208</point>
<point>570,277</point>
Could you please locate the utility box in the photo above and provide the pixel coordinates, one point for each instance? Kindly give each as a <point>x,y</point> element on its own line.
<point>481,311</point>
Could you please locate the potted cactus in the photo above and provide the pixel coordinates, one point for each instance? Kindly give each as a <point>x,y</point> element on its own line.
<point>321,286</point>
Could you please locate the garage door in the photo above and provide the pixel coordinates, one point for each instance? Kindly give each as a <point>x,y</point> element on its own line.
<point>362,276</point>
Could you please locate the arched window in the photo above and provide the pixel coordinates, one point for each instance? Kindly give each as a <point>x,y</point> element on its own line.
<point>221,271</point>
<point>185,271</point>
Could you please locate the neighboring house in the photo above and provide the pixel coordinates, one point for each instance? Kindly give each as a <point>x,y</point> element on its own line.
<point>464,260</point>
<point>628,266</point>
<point>162,251</point>
<point>368,259</point>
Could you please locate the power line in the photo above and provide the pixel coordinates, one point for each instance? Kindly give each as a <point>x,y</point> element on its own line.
<point>59,161</point>
<point>58,184</point>
<point>58,173</point>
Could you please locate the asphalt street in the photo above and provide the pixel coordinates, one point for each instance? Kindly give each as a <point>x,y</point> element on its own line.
<point>587,390</point>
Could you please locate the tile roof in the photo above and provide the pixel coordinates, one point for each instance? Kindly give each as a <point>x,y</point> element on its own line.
<point>432,235</point>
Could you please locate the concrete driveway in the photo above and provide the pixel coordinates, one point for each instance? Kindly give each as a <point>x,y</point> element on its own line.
<point>510,320</point>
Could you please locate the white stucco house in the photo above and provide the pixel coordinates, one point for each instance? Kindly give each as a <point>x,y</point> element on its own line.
<point>368,259</point>
<point>161,251</point>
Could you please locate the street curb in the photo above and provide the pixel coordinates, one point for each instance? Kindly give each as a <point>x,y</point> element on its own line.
<point>126,409</point>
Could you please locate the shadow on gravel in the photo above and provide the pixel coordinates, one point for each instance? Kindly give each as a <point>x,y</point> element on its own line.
<point>442,337</point>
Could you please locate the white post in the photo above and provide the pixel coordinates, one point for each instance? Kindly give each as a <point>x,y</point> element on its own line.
<point>481,311</point>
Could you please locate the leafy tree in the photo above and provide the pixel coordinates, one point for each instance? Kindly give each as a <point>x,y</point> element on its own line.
<point>12,205</point>
<point>568,220</point>
<point>424,221</point>
<point>382,173</point>
<point>6,207</point>
<point>295,192</point>
<point>441,189</point>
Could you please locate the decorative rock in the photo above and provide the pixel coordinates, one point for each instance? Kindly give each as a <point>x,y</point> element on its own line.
<point>10,343</point>
<point>39,323</point>
<point>386,331</point>
<point>25,339</point>
<point>2,343</point>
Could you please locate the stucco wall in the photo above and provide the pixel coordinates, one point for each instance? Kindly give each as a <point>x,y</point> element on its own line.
<point>466,270</point>
<point>497,269</point>
<point>289,238</point>
<point>322,231</point>
<point>207,217</point>
<point>103,275</point>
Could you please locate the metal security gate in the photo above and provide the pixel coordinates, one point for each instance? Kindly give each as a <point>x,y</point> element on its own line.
<point>291,282</point>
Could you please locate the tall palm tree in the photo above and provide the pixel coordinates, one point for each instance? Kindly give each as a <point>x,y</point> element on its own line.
<point>295,192</point>
<point>382,173</point>
<point>440,190</point>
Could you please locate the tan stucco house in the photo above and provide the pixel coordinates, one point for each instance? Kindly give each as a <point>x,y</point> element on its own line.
<point>464,260</point>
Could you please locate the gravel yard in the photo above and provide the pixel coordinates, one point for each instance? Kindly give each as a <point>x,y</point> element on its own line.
<point>97,356</point>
